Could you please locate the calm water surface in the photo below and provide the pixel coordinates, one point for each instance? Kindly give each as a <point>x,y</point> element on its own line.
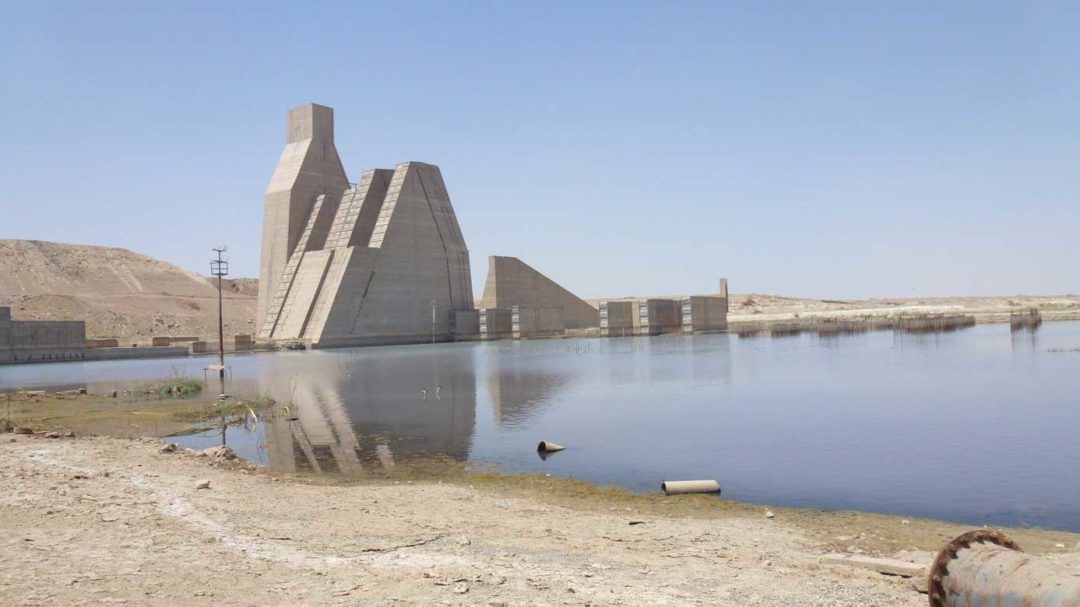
<point>981,426</point>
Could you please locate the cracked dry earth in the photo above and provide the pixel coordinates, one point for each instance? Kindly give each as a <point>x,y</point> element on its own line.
<point>105,521</point>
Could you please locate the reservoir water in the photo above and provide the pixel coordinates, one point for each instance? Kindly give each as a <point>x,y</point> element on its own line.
<point>979,426</point>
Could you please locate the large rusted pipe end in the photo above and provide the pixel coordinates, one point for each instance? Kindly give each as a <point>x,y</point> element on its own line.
<point>940,569</point>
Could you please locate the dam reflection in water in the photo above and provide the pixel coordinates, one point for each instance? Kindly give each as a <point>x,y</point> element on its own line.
<point>359,412</point>
<point>853,421</point>
<point>350,411</point>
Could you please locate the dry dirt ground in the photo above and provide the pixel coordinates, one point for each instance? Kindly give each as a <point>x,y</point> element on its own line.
<point>92,521</point>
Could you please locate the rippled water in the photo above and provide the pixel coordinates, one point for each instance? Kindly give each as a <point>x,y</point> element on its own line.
<point>978,426</point>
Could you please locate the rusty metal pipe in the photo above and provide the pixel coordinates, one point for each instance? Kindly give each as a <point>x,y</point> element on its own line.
<point>986,569</point>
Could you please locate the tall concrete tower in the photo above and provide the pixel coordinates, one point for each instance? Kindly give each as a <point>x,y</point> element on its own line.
<point>309,167</point>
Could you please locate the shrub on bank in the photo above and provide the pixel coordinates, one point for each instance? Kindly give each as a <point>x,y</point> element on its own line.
<point>179,387</point>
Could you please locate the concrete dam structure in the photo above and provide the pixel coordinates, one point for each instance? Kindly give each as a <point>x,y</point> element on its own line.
<point>381,262</point>
<point>511,283</point>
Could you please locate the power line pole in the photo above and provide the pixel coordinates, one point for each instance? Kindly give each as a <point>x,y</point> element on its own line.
<point>432,322</point>
<point>220,267</point>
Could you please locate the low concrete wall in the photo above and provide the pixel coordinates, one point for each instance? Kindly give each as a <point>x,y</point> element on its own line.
<point>25,341</point>
<point>169,340</point>
<point>537,322</point>
<point>127,353</point>
<point>102,343</point>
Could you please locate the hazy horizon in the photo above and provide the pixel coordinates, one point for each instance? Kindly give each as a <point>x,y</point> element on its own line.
<point>837,151</point>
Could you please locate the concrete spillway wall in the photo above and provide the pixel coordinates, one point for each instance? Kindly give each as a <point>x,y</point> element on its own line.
<point>511,282</point>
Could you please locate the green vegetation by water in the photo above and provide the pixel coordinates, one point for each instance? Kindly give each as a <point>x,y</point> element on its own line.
<point>179,387</point>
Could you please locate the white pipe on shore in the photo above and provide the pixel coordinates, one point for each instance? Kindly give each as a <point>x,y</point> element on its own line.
<point>547,446</point>
<point>677,487</point>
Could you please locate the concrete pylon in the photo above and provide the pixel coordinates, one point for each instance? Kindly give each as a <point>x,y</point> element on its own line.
<point>511,282</point>
<point>309,167</point>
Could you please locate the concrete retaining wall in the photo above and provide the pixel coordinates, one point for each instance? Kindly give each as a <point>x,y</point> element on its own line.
<point>658,316</point>
<point>537,322</point>
<point>102,343</point>
<point>128,353</point>
<point>704,313</point>
<point>169,340</point>
<point>465,325</point>
<point>496,323</point>
<point>40,340</point>
<point>617,318</point>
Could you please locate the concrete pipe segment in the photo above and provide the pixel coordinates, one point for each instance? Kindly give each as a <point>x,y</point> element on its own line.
<point>677,487</point>
<point>986,569</point>
<point>547,446</point>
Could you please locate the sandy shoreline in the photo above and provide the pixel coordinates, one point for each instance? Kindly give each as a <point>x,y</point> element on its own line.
<point>105,520</point>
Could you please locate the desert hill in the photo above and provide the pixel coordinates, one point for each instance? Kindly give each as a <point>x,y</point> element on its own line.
<point>117,292</point>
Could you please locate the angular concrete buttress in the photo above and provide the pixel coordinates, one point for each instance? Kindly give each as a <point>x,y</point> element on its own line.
<point>511,282</point>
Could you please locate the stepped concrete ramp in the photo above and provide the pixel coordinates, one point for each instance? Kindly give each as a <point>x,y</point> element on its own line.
<point>511,282</point>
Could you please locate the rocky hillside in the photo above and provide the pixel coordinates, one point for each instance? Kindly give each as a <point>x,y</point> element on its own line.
<point>118,293</point>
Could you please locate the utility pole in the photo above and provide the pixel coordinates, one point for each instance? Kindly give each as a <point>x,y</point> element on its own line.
<point>433,322</point>
<point>220,267</point>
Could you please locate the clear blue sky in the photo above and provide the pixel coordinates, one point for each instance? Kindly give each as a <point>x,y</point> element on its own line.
<point>805,148</point>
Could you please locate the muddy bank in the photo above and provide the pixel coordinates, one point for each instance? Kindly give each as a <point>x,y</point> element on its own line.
<point>131,414</point>
<point>91,520</point>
